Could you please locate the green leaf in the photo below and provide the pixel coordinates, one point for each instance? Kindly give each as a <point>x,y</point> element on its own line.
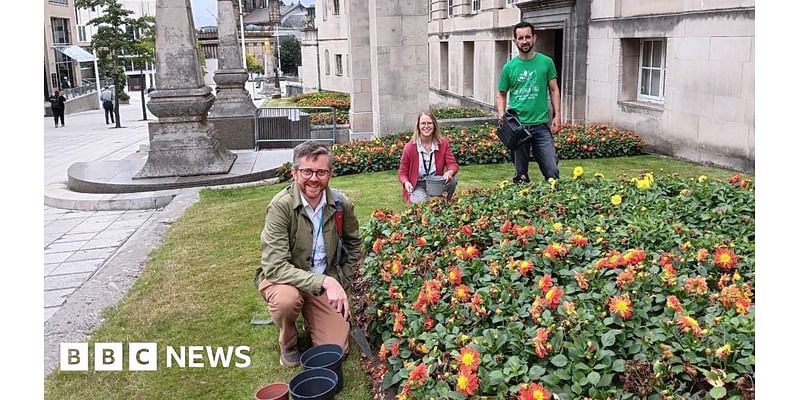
<point>609,338</point>
<point>594,378</point>
<point>606,380</point>
<point>496,377</point>
<point>536,372</point>
<point>718,392</point>
<point>618,365</point>
<point>581,366</point>
<point>559,360</point>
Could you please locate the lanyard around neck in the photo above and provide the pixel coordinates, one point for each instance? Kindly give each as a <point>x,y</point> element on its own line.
<point>427,165</point>
<point>316,238</point>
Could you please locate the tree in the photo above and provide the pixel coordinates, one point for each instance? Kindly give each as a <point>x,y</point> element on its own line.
<point>118,34</point>
<point>252,64</point>
<point>290,55</point>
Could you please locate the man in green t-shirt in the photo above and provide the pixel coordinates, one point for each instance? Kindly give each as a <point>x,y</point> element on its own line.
<point>529,77</point>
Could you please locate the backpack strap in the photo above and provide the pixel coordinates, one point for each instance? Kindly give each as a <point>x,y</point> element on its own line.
<point>339,257</point>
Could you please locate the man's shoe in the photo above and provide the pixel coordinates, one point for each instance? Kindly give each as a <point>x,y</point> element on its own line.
<point>290,358</point>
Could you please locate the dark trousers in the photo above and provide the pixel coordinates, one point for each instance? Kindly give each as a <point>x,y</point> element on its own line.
<point>544,152</point>
<point>58,113</point>
<point>109,111</point>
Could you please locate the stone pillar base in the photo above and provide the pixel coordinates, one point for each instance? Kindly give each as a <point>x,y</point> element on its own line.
<point>236,133</point>
<point>185,149</point>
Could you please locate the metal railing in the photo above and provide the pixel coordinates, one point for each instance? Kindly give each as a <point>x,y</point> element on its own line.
<point>286,127</point>
<point>79,91</point>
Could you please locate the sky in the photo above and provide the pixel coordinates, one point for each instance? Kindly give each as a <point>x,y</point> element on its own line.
<point>205,11</point>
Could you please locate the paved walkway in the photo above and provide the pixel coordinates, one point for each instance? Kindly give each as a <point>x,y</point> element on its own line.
<point>78,243</point>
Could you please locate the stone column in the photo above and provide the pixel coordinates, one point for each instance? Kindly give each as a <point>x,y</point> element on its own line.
<point>399,63</point>
<point>360,71</point>
<point>233,111</point>
<point>182,142</point>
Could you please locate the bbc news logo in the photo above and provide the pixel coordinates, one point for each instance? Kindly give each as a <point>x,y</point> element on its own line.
<point>144,356</point>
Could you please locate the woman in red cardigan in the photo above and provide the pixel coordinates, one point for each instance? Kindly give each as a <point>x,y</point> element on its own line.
<point>425,155</point>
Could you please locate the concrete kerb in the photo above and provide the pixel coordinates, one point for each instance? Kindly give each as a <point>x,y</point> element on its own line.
<point>84,309</point>
<point>58,195</point>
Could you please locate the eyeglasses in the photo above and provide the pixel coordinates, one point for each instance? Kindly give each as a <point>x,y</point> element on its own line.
<point>320,173</point>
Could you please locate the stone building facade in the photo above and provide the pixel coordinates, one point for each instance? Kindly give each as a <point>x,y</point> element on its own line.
<point>679,73</point>
<point>60,70</point>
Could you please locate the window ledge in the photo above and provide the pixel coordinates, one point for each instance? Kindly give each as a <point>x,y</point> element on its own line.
<point>642,105</point>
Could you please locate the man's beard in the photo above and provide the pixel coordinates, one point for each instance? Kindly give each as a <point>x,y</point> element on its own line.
<point>522,50</point>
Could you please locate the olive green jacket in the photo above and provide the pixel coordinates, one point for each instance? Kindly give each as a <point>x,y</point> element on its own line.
<point>287,237</point>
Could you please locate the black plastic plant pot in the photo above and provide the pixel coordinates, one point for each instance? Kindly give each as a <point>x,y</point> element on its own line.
<point>313,384</point>
<point>328,356</point>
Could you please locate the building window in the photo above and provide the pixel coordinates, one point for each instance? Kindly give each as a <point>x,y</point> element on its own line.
<point>60,30</point>
<point>338,59</point>
<point>335,7</point>
<point>81,33</point>
<point>327,63</point>
<point>476,6</point>
<point>469,68</point>
<point>444,62</point>
<point>652,70</point>
<point>450,8</point>
<point>64,2</point>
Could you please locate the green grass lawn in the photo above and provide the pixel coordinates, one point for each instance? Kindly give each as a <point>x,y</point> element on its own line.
<point>197,289</point>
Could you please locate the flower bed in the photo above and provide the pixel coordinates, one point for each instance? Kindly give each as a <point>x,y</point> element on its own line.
<point>453,113</point>
<point>584,288</point>
<point>337,100</point>
<point>480,145</point>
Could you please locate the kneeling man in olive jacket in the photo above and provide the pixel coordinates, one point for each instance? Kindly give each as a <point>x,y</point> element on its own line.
<point>304,265</point>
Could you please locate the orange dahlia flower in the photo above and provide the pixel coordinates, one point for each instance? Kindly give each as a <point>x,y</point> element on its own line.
<point>468,358</point>
<point>533,391</point>
<point>621,305</point>
<point>725,258</point>
<point>466,382</point>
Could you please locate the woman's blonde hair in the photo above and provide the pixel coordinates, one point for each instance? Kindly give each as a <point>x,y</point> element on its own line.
<point>435,135</point>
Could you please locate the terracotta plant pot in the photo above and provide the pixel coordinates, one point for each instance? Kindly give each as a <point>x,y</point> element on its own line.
<point>313,384</point>
<point>329,356</point>
<point>273,391</point>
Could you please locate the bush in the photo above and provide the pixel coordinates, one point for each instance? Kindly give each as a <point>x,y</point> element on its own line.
<point>337,100</point>
<point>582,287</point>
<point>480,145</point>
<point>453,113</point>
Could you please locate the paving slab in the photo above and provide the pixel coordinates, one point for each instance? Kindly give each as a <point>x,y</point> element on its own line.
<point>56,298</point>
<point>93,254</point>
<point>65,281</point>
<point>75,267</point>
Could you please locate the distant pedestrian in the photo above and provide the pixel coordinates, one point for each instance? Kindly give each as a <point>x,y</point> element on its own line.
<point>57,105</point>
<point>107,97</point>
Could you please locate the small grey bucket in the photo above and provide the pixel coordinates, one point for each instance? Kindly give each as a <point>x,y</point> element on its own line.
<point>434,184</point>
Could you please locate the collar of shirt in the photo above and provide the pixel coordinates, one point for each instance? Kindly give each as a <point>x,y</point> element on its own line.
<point>321,206</point>
<point>434,147</point>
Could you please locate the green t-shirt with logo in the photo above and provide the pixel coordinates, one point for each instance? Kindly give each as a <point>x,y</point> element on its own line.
<point>526,84</point>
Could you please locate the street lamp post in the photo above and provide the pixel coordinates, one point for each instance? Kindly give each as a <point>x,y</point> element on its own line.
<point>142,82</point>
<point>241,25</point>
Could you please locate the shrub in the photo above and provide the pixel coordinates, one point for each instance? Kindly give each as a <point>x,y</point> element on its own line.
<point>453,113</point>
<point>582,287</point>
<point>480,145</point>
<point>337,100</point>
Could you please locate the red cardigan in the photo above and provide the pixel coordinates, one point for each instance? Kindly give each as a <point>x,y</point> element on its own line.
<point>409,163</point>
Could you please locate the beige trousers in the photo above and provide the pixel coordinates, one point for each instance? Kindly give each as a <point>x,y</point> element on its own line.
<point>324,324</point>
